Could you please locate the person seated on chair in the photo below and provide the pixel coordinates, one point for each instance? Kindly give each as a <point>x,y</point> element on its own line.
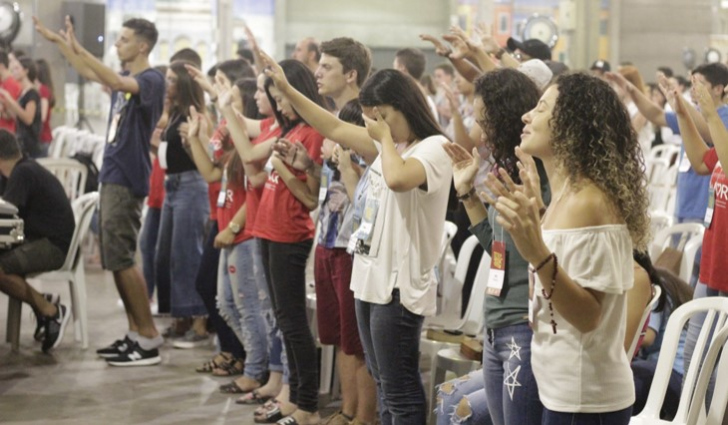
<point>49,226</point>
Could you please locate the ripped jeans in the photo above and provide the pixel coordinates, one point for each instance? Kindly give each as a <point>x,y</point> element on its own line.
<point>506,382</point>
<point>244,303</point>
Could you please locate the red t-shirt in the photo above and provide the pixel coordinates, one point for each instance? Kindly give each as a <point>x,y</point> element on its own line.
<point>712,268</point>
<point>13,87</point>
<point>281,217</point>
<point>213,190</point>
<point>46,136</point>
<point>234,199</point>
<point>155,198</point>
<point>253,194</point>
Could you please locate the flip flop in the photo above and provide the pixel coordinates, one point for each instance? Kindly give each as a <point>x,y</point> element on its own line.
<point>271,416</point>
<point>253,397</point>
<point>288,420</point>
<point>232,388</point>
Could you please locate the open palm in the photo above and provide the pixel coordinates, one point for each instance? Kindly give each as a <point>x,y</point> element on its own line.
<point>464,166</point>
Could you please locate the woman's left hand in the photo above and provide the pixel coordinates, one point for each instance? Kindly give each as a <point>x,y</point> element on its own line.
<point>519,215</point>
<point>702,97</point>
<point>378,128</point>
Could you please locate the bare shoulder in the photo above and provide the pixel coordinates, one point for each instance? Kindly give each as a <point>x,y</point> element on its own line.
<point>588,206</point>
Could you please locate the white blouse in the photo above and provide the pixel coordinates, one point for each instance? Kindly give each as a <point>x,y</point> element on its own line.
<point>586,372</point>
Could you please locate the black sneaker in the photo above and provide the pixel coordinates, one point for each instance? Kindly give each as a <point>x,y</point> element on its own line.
<point>39,332</point>
<point>55,327</point>
<point>116,349</point>
<point>136,356</point>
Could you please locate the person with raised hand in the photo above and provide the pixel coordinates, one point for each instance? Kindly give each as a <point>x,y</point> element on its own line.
<point>286,231</point>
<point>396,243</point>
<point>491,394</point>
<point>580,250</point>
<point>138,97</point>
<point>706,160</point>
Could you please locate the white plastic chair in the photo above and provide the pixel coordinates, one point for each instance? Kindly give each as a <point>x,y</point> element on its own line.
<point>444,263</point>
<point>717,311</point>
<point>686,237</point>
<point>659,220</point>
<point>71,173</point>
<point>72,272</point>
<point>452,288</point>
<point>656,291</point>
<point>696,413</point>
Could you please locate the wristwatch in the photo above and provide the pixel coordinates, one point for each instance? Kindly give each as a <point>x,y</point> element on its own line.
<point>234,227</point>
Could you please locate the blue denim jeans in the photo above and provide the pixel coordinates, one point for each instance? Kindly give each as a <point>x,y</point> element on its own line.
<point>511,393</point>
<point>147,247</point>
<point>243,298</point>
<point>620,417</point>
<point>180,240</point>
<point>450,394</point>
<point>390,335</point>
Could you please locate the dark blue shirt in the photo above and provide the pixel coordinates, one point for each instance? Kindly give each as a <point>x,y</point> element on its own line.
<point>126,157</point>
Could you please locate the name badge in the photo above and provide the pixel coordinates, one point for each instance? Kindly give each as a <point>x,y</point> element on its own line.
<point>324,187</point>
<point>269,165</point>
<point>711,208</point>
<point>162,154</point>
<point>497,274</point>
<point>684,166</point>
<point>112,128</point>
<point>221,197</point>
<point>367,222</point>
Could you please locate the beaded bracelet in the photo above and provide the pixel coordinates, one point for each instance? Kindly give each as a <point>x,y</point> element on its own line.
<point>548,296</point>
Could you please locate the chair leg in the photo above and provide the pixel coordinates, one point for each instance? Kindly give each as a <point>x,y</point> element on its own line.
<point>327,369</point>
<point>437,377</point>
<point>74,309</point>
<point>15,307</point>
<point>79,283</point>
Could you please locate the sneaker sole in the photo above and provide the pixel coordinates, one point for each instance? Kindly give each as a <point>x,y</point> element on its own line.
<point>62,331</point>
<point>186,345</point>
<point>143,362</point>
<point>108,356</point>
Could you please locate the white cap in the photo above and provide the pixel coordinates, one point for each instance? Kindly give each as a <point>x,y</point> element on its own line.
<point>538,72</point>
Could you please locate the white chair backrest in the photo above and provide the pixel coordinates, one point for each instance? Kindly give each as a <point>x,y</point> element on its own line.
<point>666,151</point>
<point>474,319</point>
<point>83,211</point>
<point>656,291</point>
<point>696,413</point>
<point>659,220</point>
<point>676,236</point>
<point>448,232</point>
<point>717,311</point>
<point>452,291</point>
<point>71,173</point>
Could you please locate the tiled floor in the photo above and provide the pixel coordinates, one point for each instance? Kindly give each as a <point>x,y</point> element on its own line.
<point>73,386</point>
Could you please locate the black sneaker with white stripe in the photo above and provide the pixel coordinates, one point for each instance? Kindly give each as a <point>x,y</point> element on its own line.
<point>39,332</point>
<point>55,327</point>
<point>116,349</point>
<point>136,356</point>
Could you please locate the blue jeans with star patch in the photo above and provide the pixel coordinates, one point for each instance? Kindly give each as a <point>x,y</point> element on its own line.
<point>510,387</point>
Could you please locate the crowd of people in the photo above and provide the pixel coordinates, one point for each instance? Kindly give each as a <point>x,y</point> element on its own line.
<point>255,165</point>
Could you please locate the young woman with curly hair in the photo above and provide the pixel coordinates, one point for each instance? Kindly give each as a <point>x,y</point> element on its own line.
<point>506,380</point>
<point>580,249</point>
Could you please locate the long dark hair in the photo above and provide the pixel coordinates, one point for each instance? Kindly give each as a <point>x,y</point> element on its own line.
<point>45,78</point>
<point>393,88</point>
<point>236,172</point>
<point>188,92</point>
<point>300,78</point>
<point>507,95</point>
<point>675,291</point>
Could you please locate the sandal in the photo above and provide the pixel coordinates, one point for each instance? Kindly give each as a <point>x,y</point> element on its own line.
<point>288,420</point>
<point>230,368</point>
<point>253,397</point>
<point>234,388</point>
<point>270,417</point>
<point>268,405</point>
<point>217,362</point>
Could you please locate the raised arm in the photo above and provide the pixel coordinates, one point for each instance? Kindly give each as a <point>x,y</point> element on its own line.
<point>464,67</point>
<point>197,135</point>
<point>60,40</point>
<point>348,135</point>
<point>695,147</point>
<point>255,48</point>
<point>717,128</point>
<point>646,106</point>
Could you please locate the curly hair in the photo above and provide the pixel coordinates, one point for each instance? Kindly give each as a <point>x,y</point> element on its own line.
<point>593,139</point>
<point>507,95</point>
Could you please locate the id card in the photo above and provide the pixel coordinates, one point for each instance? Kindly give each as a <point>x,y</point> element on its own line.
<point>111,136</point>
<point>162,154</point>
<point>497,274</point>
<point>324,187</point>
<point>711,208</point>
<point>223,190</point>
<point>269,165</point>
<point>684,166</point>
<point>367,221</point>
